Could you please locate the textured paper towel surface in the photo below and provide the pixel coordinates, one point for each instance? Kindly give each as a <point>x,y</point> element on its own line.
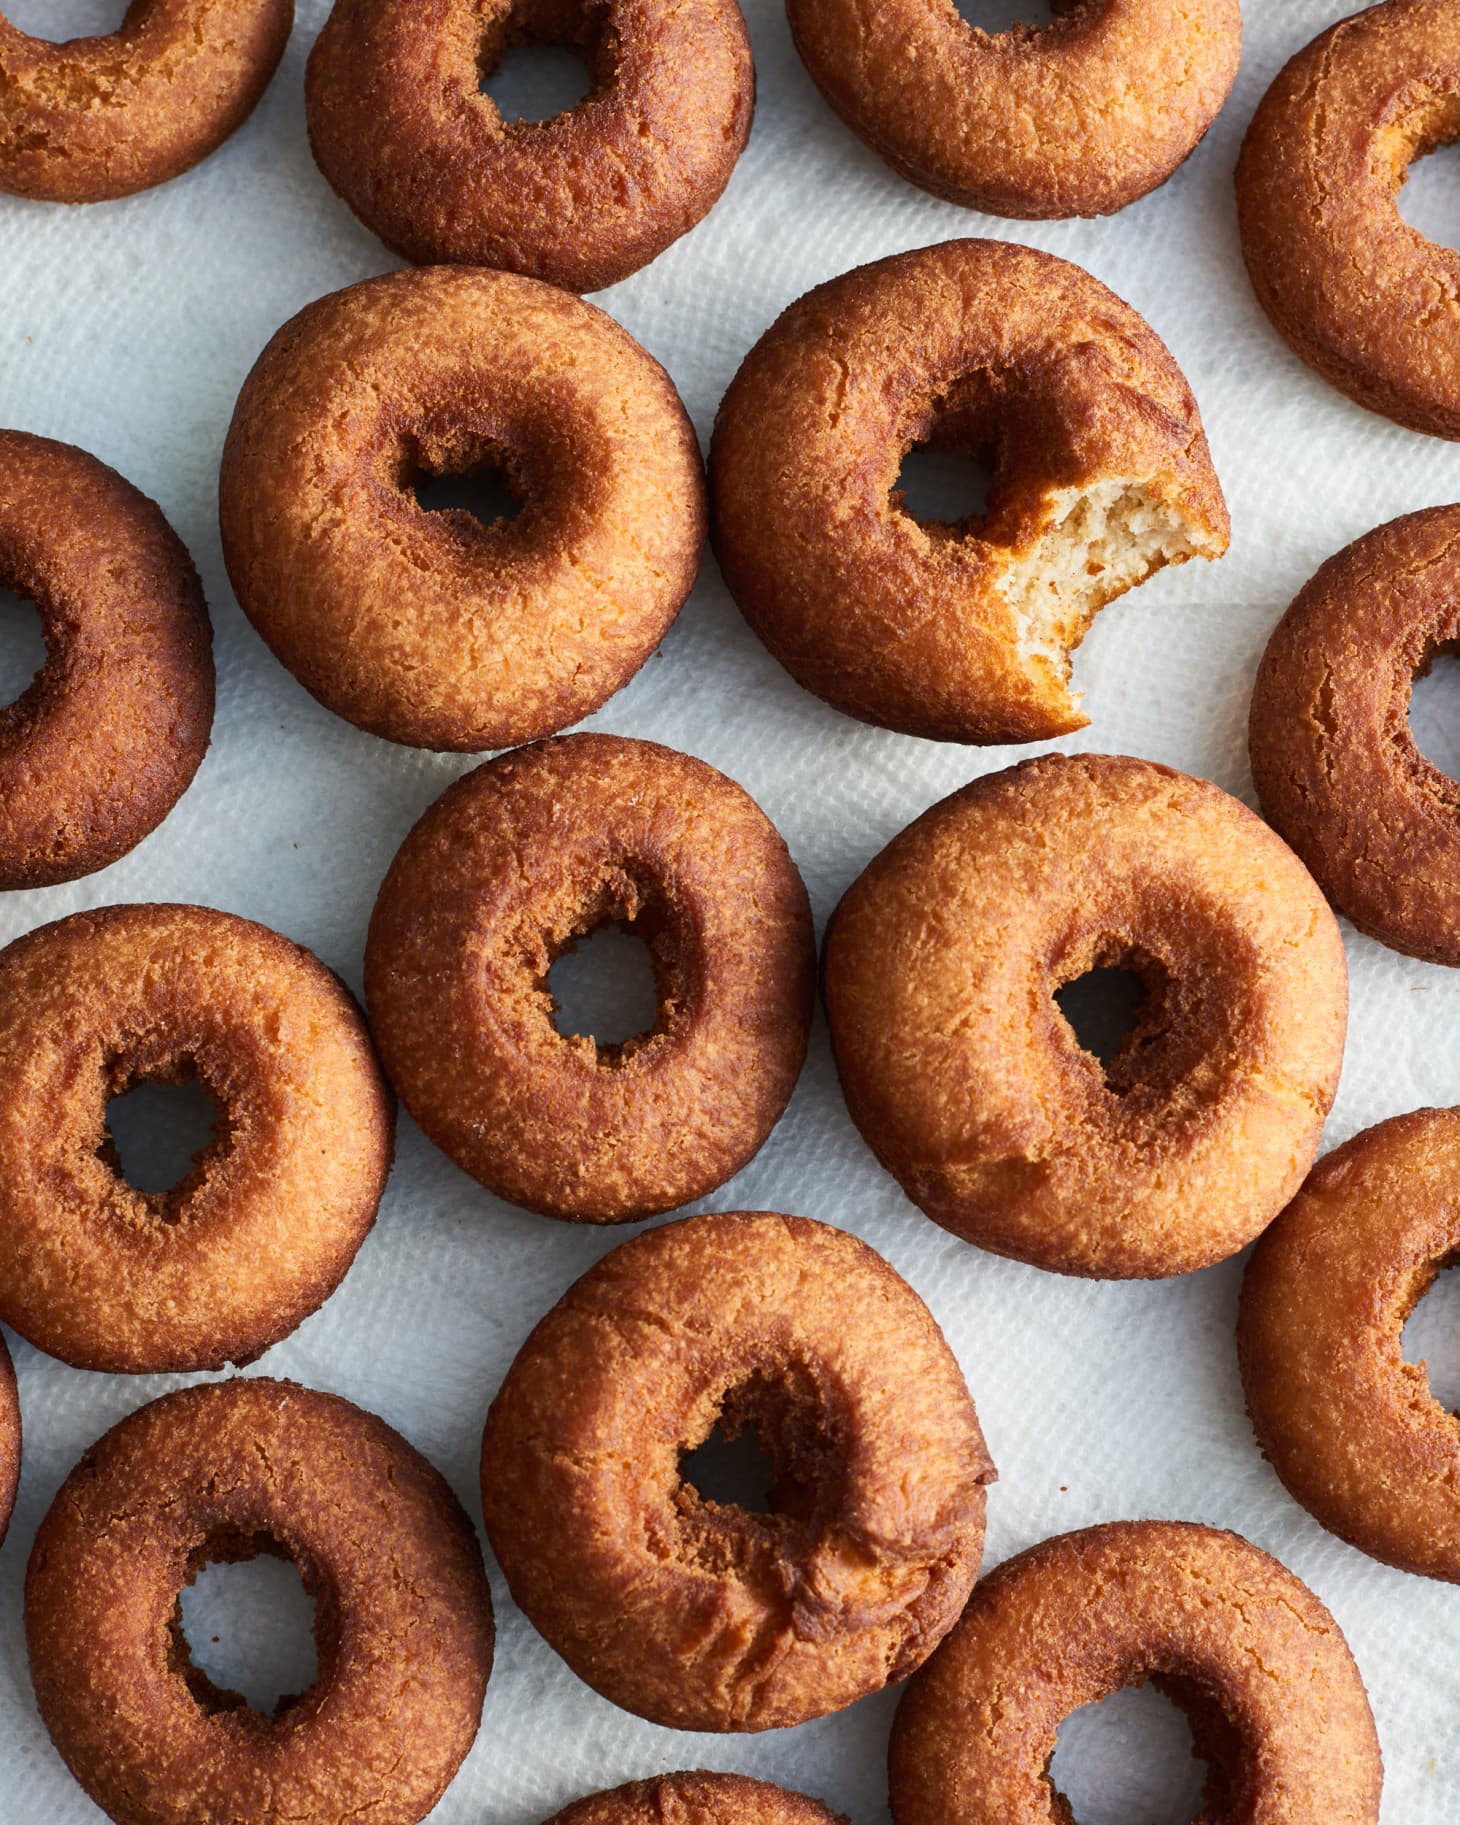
<point>128,329</point>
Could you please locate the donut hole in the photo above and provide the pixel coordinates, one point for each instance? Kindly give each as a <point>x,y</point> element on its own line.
<point>731,1471</point>
<point>1116,1004</point>
<point>63,21</point>
<point>1133,1755</point>
<point>946,491</point>
<point>1428,194</point>
<point>23,648</point>
<point>246,1630</point>
<point>1433,695</point>
<point>1431,1336</point>
<point>543,59</point>
<point>161,1132</point>
<point>604,987</point>
<point>998,16</point>
<point>475,483</point>
<point>771,1463</point>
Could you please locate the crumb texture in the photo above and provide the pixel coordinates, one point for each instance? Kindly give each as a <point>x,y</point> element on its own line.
<point>694,1613</point>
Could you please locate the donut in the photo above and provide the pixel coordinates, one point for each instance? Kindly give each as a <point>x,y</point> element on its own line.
<point>1077,117</point>
<point>264,1227</point>
<point>10,1442</point>
<point>1333,757</point>
<point>108,735</point>
<point>1351,1427</point>
<point>508,870</point>
<point>402,1626</point>
<point>959,631</point>
<point>1354,291</point>
<point>434,628</point>
<point>96,118</point>
<point>1276,1706</point>
<point>404,133</point>
<point>698,1614</point>
<point>942,964</point>
<point>697,1798</point>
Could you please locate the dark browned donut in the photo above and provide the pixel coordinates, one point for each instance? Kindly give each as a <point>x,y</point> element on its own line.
<point>102,117</point>
<point>107,738</point>
<point>1078,116</point>
<point>401,128</point>
<point>433,628</point>
<point>265,1226</point>
<point>1354,1430</point>
<point>9,1438</point>
<point>1361,296</point>
<point>695,1613</point>
<point>697,1798</point>
<point>505,872</point>
<point>1276,1705</point>
<point>403,1617</point>
<point>1333,756</point>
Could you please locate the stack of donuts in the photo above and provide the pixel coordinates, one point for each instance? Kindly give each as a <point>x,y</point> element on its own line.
<point>944,971</point>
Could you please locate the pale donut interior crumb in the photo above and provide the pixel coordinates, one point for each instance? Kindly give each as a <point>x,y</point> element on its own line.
<point>1102,541</point>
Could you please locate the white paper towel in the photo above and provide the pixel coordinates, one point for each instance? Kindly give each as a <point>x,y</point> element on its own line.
<point>128,329</point>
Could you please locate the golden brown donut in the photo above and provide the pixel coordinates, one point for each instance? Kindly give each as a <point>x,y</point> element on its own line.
<point>1079,116</point>
<point>10,1440</point>
<point>1351,1427</point>
<point>433,628</point>
<point>941,966</point>
<point>963,631</point>
<point>1352,289</point>
<point>402,1626</point>
<point>264,1227</point>
<point>103,117</point>
<point>109,733</point>
<point>507,871</point>
<point>697,1798</point>
<point>1276,1706</point>
<point>401,128</point>
<point>697,1614</point>
<point>1333,756</point>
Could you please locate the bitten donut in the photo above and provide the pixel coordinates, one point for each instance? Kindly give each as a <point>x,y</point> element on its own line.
<point>507,871</point>
<point>942,964</point>
<point>1333,757</point>
<point>435,628</point>
<point>1079,116</point>
<point>695,1613</point>
<point>697,1798</point>
<point>402,1623</point>
<point>1352,289</point>
<point>102,117</point>
<point>961,631</point>
<point>9,1438</point>
<point>1276,1706</point>
<point>108,735</point>
<point>264,1227</point>
<point>402,129</point>
<point>1351,1427</point>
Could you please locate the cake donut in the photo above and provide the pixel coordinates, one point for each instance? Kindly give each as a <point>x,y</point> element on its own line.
<point>1076,117</point>
<point>694,1613</point>
<point>697,1798</point>
<point>9,1439</point>
<point>1353,290</point>
<point>402,1624</point>
<point>264,1227</point>
<point>435,628</point>
<point>941,968</point>
<point>960,631</point>
<point>403,131</point>
<point>1351,1427</point>
<point>1276,1705</point>
<point>108,735</point>
<point>508,870</point>
<point>1333,757</point>
<point>102,117</point>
